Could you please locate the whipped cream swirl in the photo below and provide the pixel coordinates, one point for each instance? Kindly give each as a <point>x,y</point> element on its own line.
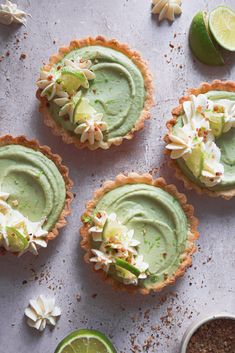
<point>167,9</point>
<point>42,311</point>
<point>9,13</point>
<point>92,129</point>
<point>18,233</point>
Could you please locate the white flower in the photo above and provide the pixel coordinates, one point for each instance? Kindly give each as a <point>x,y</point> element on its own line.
<point>142,266</point>
<point>195,113</point>
<point>67,103</point>
<point>213,170</point>
<point>92,129</point>
<point>42,311</point>
<point>48,84</point>
<point>37,236</point>
<point>167,9</point>
<point>81,65</point>
<point>99,221</point>
<point>183,140</point>
<point>102,260</point>
<point>9,13</point>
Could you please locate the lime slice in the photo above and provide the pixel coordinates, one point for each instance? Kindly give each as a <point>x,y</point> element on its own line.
<point>126,266</point>
<point>112,229</point>
<point>72,79</point>
<point>217,123</point>
<point>17,242</point>
<point>85,341</point>
<point>201,42</point>
<point>195,161</point>
<point>222,26</point>
<point>83,110</point>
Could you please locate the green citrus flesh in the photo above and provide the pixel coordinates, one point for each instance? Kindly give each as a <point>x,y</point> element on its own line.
<point>201,42</point>
<point>222,26</point>
<point>17,242</point>
<point>83,110</point>
<point>126,266</point>
<point>112,229</point>
<point>195,161</point>
<point>73,79</point>
<point>217,123</point>
<point>85,341</point>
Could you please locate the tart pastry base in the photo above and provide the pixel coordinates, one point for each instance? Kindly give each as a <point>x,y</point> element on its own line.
<point>205,87</point>
<point>67,137</point>
<point>134,178</point>
<point>34,144</point>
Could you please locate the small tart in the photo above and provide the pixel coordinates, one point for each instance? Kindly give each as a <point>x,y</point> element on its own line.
<point>219,94</point>
<point>118,86</point>
<point>159,223</point>
<point>37,188</point>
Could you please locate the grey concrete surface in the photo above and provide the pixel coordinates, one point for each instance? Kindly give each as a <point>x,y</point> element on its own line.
<point>60,270</point>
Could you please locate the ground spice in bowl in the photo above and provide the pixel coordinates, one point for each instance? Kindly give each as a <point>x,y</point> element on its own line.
<point>215,336</point>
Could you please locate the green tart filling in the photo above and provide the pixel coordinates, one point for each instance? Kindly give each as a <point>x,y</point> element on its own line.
<point>96,93</point>
<point>203,140</point>
<point>32,197</point>
<point>139,234</point>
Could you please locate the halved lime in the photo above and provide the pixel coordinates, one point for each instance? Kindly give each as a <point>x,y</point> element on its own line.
<point>217,123</point>
<point>195,161</point>
<point>17,242</point>
<point>222,26</point>
<point>113,229</point>
<point>72,79</point>
<point>201,42</point>
<point>126,266</point>
<point>85,341</point>
<point>83,110</point>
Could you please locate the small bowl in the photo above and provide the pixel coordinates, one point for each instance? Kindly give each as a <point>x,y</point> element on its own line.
<point>198,323</point>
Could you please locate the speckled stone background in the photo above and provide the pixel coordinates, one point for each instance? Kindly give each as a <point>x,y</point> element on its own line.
<point>59,270</point>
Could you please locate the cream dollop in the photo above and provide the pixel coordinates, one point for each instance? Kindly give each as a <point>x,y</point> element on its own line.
<point>30,234</point>
<point>67,103</point>
<point>212,170</point>
<point>42,311</point>
<point>9,13</point>
<point>167,9</point>
<point>48,83</point>
<point>119,244</point>
<point>92,129</point>
<point>81,65</point>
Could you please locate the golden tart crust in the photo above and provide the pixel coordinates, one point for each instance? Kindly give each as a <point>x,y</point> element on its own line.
<point>64,171</point>
<point>134,178</point>
<point>203,88</point>
<point>114,44</point>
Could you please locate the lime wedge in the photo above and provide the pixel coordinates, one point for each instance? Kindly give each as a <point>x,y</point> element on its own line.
<point>217,123</point>
<point>85,341</point>
<point>83,110</point>
<point>201,42</point>
<point>126,266</point>
<point>112,229</point>
<point>17,242</point>
<point>72,79</point>
<point>222,26</point>
<point>195,161</point>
